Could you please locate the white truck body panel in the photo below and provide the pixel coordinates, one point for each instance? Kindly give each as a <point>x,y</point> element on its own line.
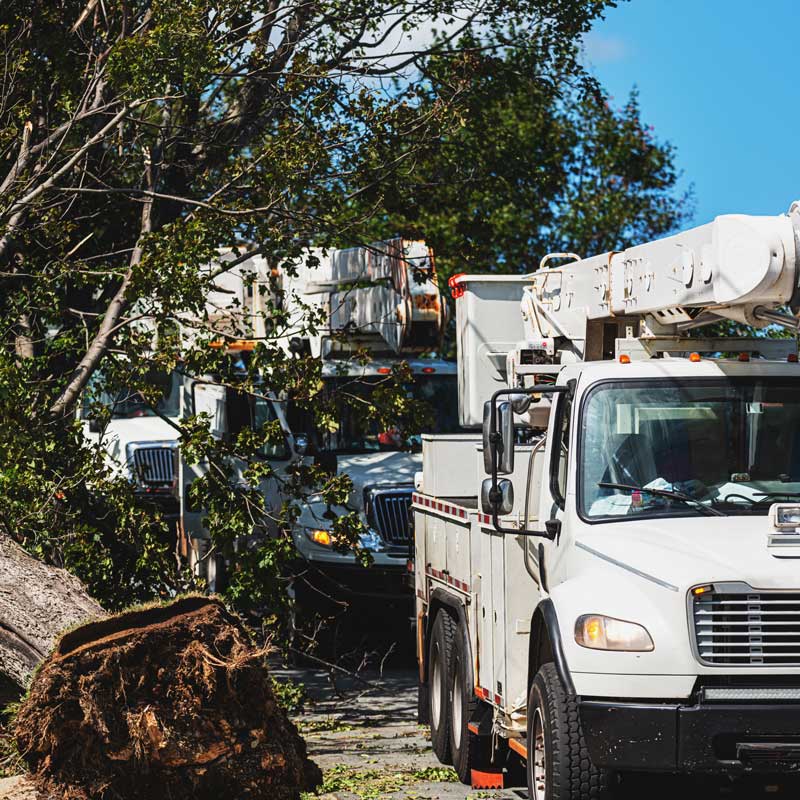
<point>488,327</point>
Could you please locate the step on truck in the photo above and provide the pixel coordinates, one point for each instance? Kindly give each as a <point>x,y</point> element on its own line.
<point>607,569</point>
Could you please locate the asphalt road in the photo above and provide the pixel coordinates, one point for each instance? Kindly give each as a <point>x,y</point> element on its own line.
<point>366,739</point>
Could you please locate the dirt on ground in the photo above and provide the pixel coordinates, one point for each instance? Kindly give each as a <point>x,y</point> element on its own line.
<point>170,702</point>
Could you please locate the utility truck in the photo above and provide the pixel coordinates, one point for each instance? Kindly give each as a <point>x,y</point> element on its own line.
<point>382,301</point>
<point>608,573</point>
<point>140,439</point>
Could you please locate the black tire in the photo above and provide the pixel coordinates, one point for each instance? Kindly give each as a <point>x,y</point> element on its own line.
<point>441,647</point>
<point>568,770</point>
<point>468,751</point>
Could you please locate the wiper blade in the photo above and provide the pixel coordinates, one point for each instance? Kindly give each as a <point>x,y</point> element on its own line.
<point>670,493</point>
<point>763,497</point>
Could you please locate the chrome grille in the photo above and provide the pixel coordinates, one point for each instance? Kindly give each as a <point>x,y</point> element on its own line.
<point>745,627</point>
<point>389,512</point>
<point>155,467</point>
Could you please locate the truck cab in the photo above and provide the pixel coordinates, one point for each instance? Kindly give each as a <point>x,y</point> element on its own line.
<point>140,441</point>
<point>672,571</point>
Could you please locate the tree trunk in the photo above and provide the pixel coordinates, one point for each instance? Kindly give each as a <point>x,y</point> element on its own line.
<point>37,604</point>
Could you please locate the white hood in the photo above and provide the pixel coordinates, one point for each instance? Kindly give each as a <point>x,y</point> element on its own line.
<point>689,551</point>
<point>386,468</point>
<point>121,432</point>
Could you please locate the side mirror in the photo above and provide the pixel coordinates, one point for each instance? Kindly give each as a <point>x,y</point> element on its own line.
<point>327,462</point>
<point>497,495</point>
<point>301,443</point>
<point>499,501</point>
<point>499,440</point>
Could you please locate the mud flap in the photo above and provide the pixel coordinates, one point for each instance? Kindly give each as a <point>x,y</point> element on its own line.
<point>487,779</point>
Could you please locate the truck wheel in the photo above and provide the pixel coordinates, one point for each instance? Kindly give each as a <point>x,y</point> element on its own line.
<point>439,671</point>
<point>468,750</point>
<point>559,767</point>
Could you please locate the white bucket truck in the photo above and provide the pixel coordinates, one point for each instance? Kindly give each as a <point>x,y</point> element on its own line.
<point>608,578</point>
<point>382,300</point>
<point>140,439</point>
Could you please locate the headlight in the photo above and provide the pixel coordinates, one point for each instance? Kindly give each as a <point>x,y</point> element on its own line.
<point>325,538</point>
<point>785,516</point>
<point>319,536</point>
<point>606,633</point>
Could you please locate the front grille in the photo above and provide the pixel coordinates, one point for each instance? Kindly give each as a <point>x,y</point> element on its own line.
<point>389,513</point>
<point>155,467</point>
<point>745,627</point>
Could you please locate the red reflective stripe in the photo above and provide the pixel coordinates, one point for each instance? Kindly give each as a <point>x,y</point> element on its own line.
<point>438,505</point>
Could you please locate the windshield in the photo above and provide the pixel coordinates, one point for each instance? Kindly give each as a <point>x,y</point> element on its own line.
<point>127,403</point>
<point>728,444</point>
<point>357,433</point>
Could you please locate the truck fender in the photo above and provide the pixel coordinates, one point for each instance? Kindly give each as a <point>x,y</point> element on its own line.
<point>441,598</point>
<point>545,645</point>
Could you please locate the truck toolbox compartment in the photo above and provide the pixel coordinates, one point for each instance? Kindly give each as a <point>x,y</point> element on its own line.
<point>449,464</point>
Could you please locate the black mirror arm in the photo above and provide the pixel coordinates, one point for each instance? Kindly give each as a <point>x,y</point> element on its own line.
<point>545,534</point>
<point>494,435</point>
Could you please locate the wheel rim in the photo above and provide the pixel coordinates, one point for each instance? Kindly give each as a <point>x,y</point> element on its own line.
<point>539,758</point>
<point>457,706</point>
<point>436,689</point>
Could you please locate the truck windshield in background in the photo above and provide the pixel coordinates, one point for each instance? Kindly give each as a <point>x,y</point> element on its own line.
<point>730,444</point>
<point>358,433</point>
<point>129,404</point>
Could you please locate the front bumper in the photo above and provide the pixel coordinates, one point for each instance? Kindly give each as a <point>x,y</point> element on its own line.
<point>706,737</point>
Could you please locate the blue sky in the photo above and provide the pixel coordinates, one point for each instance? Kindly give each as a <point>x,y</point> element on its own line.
<point>720,80</point>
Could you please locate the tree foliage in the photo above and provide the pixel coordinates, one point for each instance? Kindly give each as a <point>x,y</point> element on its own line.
<point>540,160</point>
<point>137,137</point>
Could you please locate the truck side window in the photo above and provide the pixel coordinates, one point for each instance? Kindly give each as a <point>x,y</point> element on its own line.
<point>560,452</point>
<point>264,414</point>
